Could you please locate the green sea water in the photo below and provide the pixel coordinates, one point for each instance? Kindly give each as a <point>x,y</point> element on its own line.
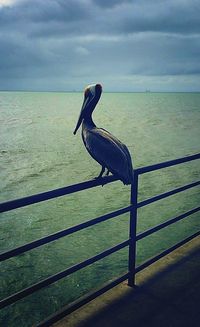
<point>39,152</point>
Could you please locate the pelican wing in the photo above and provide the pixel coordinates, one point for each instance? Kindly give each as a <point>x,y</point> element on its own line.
<point>109,152</point>
<point>123,146</point>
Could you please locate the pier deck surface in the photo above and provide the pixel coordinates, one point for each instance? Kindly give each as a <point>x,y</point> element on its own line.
<point>167,294</point>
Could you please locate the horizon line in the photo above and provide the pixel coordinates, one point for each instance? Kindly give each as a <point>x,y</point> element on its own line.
<point>80,91</point>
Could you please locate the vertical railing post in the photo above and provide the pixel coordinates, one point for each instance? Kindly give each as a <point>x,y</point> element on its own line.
<point>133,231</point>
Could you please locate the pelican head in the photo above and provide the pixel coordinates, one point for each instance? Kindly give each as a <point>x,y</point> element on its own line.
<point>91,97</point>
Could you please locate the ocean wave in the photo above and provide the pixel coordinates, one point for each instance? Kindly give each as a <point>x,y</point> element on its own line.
<point>13,152</point>
<point>26,121</point>
<point>25,175</point>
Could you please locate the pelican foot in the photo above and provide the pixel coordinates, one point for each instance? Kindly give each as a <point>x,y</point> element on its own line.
<point>100,178</point>
<point>107,173</point>
<point>101,172</point>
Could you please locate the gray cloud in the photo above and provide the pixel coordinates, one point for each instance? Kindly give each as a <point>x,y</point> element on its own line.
<point>173,17</point>
<point>110,4</point>
<point>60,45</point>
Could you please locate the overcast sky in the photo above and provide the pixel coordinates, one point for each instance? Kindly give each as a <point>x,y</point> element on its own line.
<point>127,45</point>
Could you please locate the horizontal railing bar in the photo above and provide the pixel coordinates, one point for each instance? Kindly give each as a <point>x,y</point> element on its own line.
<point>26,201</point>
<point>81,301</point>
<point>165,224</point>
<point>36,198</point>
<point>44,240</point>
<point>147,169</point>
<point>54,278</point>
<point>166,194</point>
<point>167,251</point>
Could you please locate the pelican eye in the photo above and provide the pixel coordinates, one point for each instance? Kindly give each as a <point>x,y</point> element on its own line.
<point>87,92</point>
<point>98,86</point>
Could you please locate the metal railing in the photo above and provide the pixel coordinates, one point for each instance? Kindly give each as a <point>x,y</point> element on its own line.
<point>131,242</point>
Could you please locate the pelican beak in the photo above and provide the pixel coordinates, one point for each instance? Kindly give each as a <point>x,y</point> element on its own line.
<point>81,116</point>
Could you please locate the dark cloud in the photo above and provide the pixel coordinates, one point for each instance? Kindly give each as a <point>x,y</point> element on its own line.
<point>58,11</point>
<point>173,17</point>
<point>58,44</point>
<point>110,3</point>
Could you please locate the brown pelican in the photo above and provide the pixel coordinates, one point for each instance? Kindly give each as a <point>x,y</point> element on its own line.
<point>105,148</point>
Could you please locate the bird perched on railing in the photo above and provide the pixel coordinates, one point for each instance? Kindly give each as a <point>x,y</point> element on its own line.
<point>105,148</point>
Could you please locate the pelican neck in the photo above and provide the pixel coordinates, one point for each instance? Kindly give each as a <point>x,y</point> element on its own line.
<point>88,123</point>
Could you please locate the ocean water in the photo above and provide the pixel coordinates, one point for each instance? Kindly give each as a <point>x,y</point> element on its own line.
<point>39,152</point>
